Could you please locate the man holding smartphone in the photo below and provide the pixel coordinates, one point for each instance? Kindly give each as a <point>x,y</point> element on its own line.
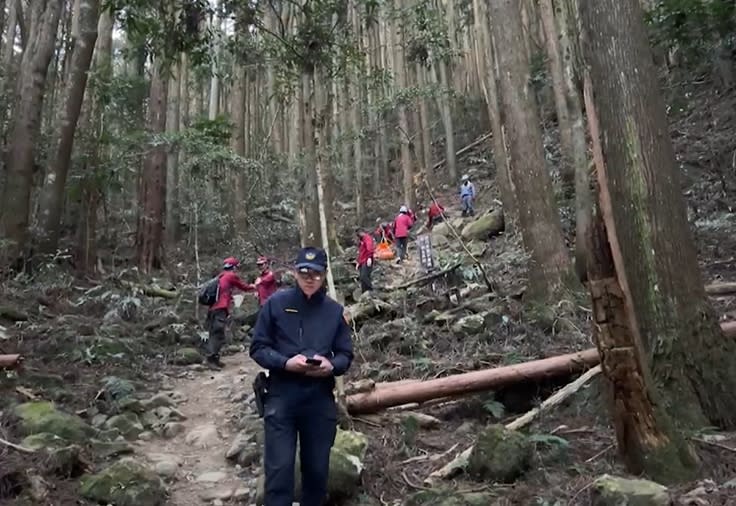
<point>303,340</point>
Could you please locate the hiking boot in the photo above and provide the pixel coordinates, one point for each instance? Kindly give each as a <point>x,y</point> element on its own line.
<point>214,363</point>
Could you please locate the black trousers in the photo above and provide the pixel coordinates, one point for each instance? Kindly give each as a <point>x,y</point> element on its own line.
<point>401,245</point>
<point>364,274</point>
<point>216,324</point>
<point>307,412</point>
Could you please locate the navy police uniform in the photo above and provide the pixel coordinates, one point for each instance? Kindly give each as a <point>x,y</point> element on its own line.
<point>298,405</point>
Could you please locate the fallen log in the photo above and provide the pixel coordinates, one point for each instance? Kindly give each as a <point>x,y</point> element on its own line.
<point>10,361</point>
<point>426,278</point>
<point>476,381</point>
<point>721,288</point>
<point>460,462</point>
<point>152,291</point>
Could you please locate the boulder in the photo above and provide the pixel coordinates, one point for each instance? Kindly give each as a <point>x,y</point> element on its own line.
<point>37,417</point>
<point>186,356</point>
<point>484,226</point>
<point>127,424</point>
<point>346,468</point>
<point>471,324</point>
<point>244,449</point>
<point>203,436</point>
<point>62,458</point>
<point>118,388</point>
<point>500,455</point>
<point>615,491</point>
<point>124,483</point>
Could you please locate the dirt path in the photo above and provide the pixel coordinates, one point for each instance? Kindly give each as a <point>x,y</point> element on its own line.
<point>193,461</point>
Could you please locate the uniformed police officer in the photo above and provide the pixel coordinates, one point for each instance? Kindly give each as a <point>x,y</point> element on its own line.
<point>303,340</point>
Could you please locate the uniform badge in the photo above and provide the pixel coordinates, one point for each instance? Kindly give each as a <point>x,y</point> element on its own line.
<point>310,256</point>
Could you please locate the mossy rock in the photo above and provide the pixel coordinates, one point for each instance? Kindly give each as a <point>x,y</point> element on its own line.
<point>484,226</point>
<point>614,491</point>
<point>346,468</point>
<point>500,455</point>
<point>124,483</point>
<point>109,449</point>
<point>449,498</point>
<point>127,424</point>
<point>63,459</point>
<point>37,417</point>
<point>187,356</point>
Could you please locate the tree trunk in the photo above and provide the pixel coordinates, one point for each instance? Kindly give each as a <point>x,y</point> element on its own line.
<point>149,236</point>
<point>356,97</point>
<point>446,115</point>
<point>550,271</point>
<point>647,438</point>
<point>172,160</point>
<point>26,123</point>
<point>426,134</point>
<point>567,29</point>
<point>238,145</point>
<point>309,224</point>
<point>52,198</point>
<point>403,126</point>
<point>690,360</point>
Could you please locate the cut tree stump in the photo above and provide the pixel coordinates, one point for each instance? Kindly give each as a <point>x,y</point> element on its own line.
<point>466,383</point>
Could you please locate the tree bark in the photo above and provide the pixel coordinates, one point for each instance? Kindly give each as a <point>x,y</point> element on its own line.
<point>26,124</point>
<point>52,198</point>
<point>647,222</point>
<point>550,271</point>
<point>149,236</point>
<point>647,438</point>
<point>173,104</point>
<point>238,145</point>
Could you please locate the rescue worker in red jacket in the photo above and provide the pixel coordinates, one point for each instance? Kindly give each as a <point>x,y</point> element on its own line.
<point>218,313</point>
<point>434,215</point>
<point>384,232</point>
<point>364,262</point>
<point>402,224</point>
<point>265,283</point>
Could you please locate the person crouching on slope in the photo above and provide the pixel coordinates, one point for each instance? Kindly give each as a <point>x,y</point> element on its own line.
<point>218,313</point>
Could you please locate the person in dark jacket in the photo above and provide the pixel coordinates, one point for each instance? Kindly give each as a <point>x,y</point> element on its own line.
<point>364,262</point>
<point>303,340</point>
<point>218,313</point>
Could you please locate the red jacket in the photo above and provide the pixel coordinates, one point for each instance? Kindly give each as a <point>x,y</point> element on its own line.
<point>402,224</point>
<point>366,249</point>
<point>266,287</point>
<point>228,282</point>
<point>435,210</point>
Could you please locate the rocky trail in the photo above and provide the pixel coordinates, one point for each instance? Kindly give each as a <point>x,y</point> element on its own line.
<point>194,459</point>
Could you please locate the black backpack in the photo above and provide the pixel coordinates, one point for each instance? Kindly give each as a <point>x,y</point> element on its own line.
<point>209,292</point>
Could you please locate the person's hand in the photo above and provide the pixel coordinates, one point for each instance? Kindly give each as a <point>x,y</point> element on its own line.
<point>369,262</point>
<point>298,363</point>
<point>320,371</point>
<point>357,266</point>
<point>258,281</point>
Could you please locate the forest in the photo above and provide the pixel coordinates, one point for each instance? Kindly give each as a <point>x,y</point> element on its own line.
<point>564,344</point>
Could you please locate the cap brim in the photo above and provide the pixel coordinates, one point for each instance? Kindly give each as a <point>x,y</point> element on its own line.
<point>309,265</point>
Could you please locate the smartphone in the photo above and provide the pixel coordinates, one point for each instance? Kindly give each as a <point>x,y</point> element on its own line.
<point>314,361</point>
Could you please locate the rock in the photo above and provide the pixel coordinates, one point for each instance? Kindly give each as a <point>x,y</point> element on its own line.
<point>500,455</point>
<point>146,436</point>
<point>186,356</point>
<point>730,484</point>
<point>128,424</point>
<point>108,449</point>
<point>214,494</point>
<point>158,400</point>
<point>37,417</point>
<point>424,421</point>
<point>131,404</point>
<point>124,483</point>
<point>212,477</point>
<point>477,249</point>
<point>243,450</point>
<point>203,436</point>
<point>471,324</point>
<point>450,498</point>
<point>614,491</point>
<point>39,489</point>
<point>172,429</point>
<point>346,468</point>
<point>484,226</point>
<point>118,388</point>
<point>62,458</point>
<point>164,464</point>
<point>99,420</point>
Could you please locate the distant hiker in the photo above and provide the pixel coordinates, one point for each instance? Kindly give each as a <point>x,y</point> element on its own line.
<point>303,340</point>
<point>266,282</point>
<point>434,215</point>
<point>218,313</point>
<point>467,196</point>
<point>402,224</point>
<point>364,263</point>
<point>384,232</point>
